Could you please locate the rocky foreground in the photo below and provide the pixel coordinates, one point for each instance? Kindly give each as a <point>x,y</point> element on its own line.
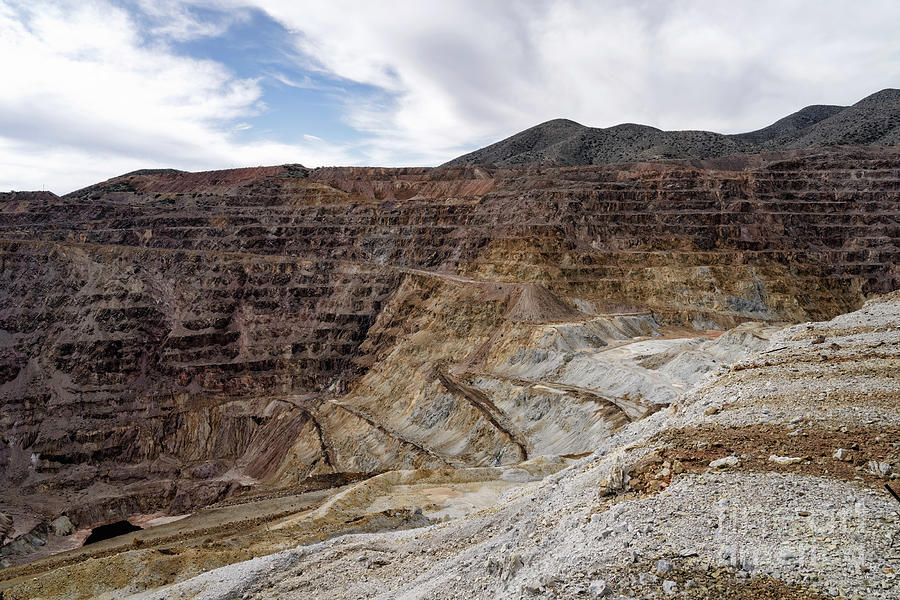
<point>764,480</point>
<point>169,340</point>
<point>243,361</point>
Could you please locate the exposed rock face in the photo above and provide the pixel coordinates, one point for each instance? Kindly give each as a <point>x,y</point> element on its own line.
<point>168,339</point>
<point>686,501</point>
<point>874,120</point>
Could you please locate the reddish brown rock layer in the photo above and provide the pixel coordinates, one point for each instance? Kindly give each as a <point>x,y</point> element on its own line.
<point>168,337</point>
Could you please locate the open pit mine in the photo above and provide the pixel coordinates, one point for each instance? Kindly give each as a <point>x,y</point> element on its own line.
<point>510,378</point>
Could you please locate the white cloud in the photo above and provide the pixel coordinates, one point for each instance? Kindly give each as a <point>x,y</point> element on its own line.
<point>302,83</point>
<point>86,98</point>
<point>91,94</point>
<point>467,72</point>
<point>174,19</point>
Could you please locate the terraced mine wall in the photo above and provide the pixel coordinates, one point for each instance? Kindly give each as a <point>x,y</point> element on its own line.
<point>168,339</point>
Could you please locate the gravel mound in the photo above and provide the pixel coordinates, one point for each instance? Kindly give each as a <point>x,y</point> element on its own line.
<point>639,520</point>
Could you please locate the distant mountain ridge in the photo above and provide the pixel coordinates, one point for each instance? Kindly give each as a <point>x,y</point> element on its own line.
<point>874,120</point>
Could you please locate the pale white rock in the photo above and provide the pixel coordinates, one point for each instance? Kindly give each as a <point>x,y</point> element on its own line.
<point>786,460</point>
<point>62,526</point>
<point>599,588</point>
<point>879,468</point>
<point>728,461</point>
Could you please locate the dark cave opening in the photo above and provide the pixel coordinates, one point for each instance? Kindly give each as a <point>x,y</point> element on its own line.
<point>110,530</point>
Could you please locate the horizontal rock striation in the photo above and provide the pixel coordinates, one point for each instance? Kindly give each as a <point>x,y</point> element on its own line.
<point>767,479</point>
<point>168,339</point>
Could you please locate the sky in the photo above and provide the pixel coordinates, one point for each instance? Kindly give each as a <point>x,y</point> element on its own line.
<point>91,89</point>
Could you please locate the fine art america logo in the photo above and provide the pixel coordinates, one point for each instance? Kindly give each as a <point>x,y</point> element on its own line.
<point>829,533</point>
